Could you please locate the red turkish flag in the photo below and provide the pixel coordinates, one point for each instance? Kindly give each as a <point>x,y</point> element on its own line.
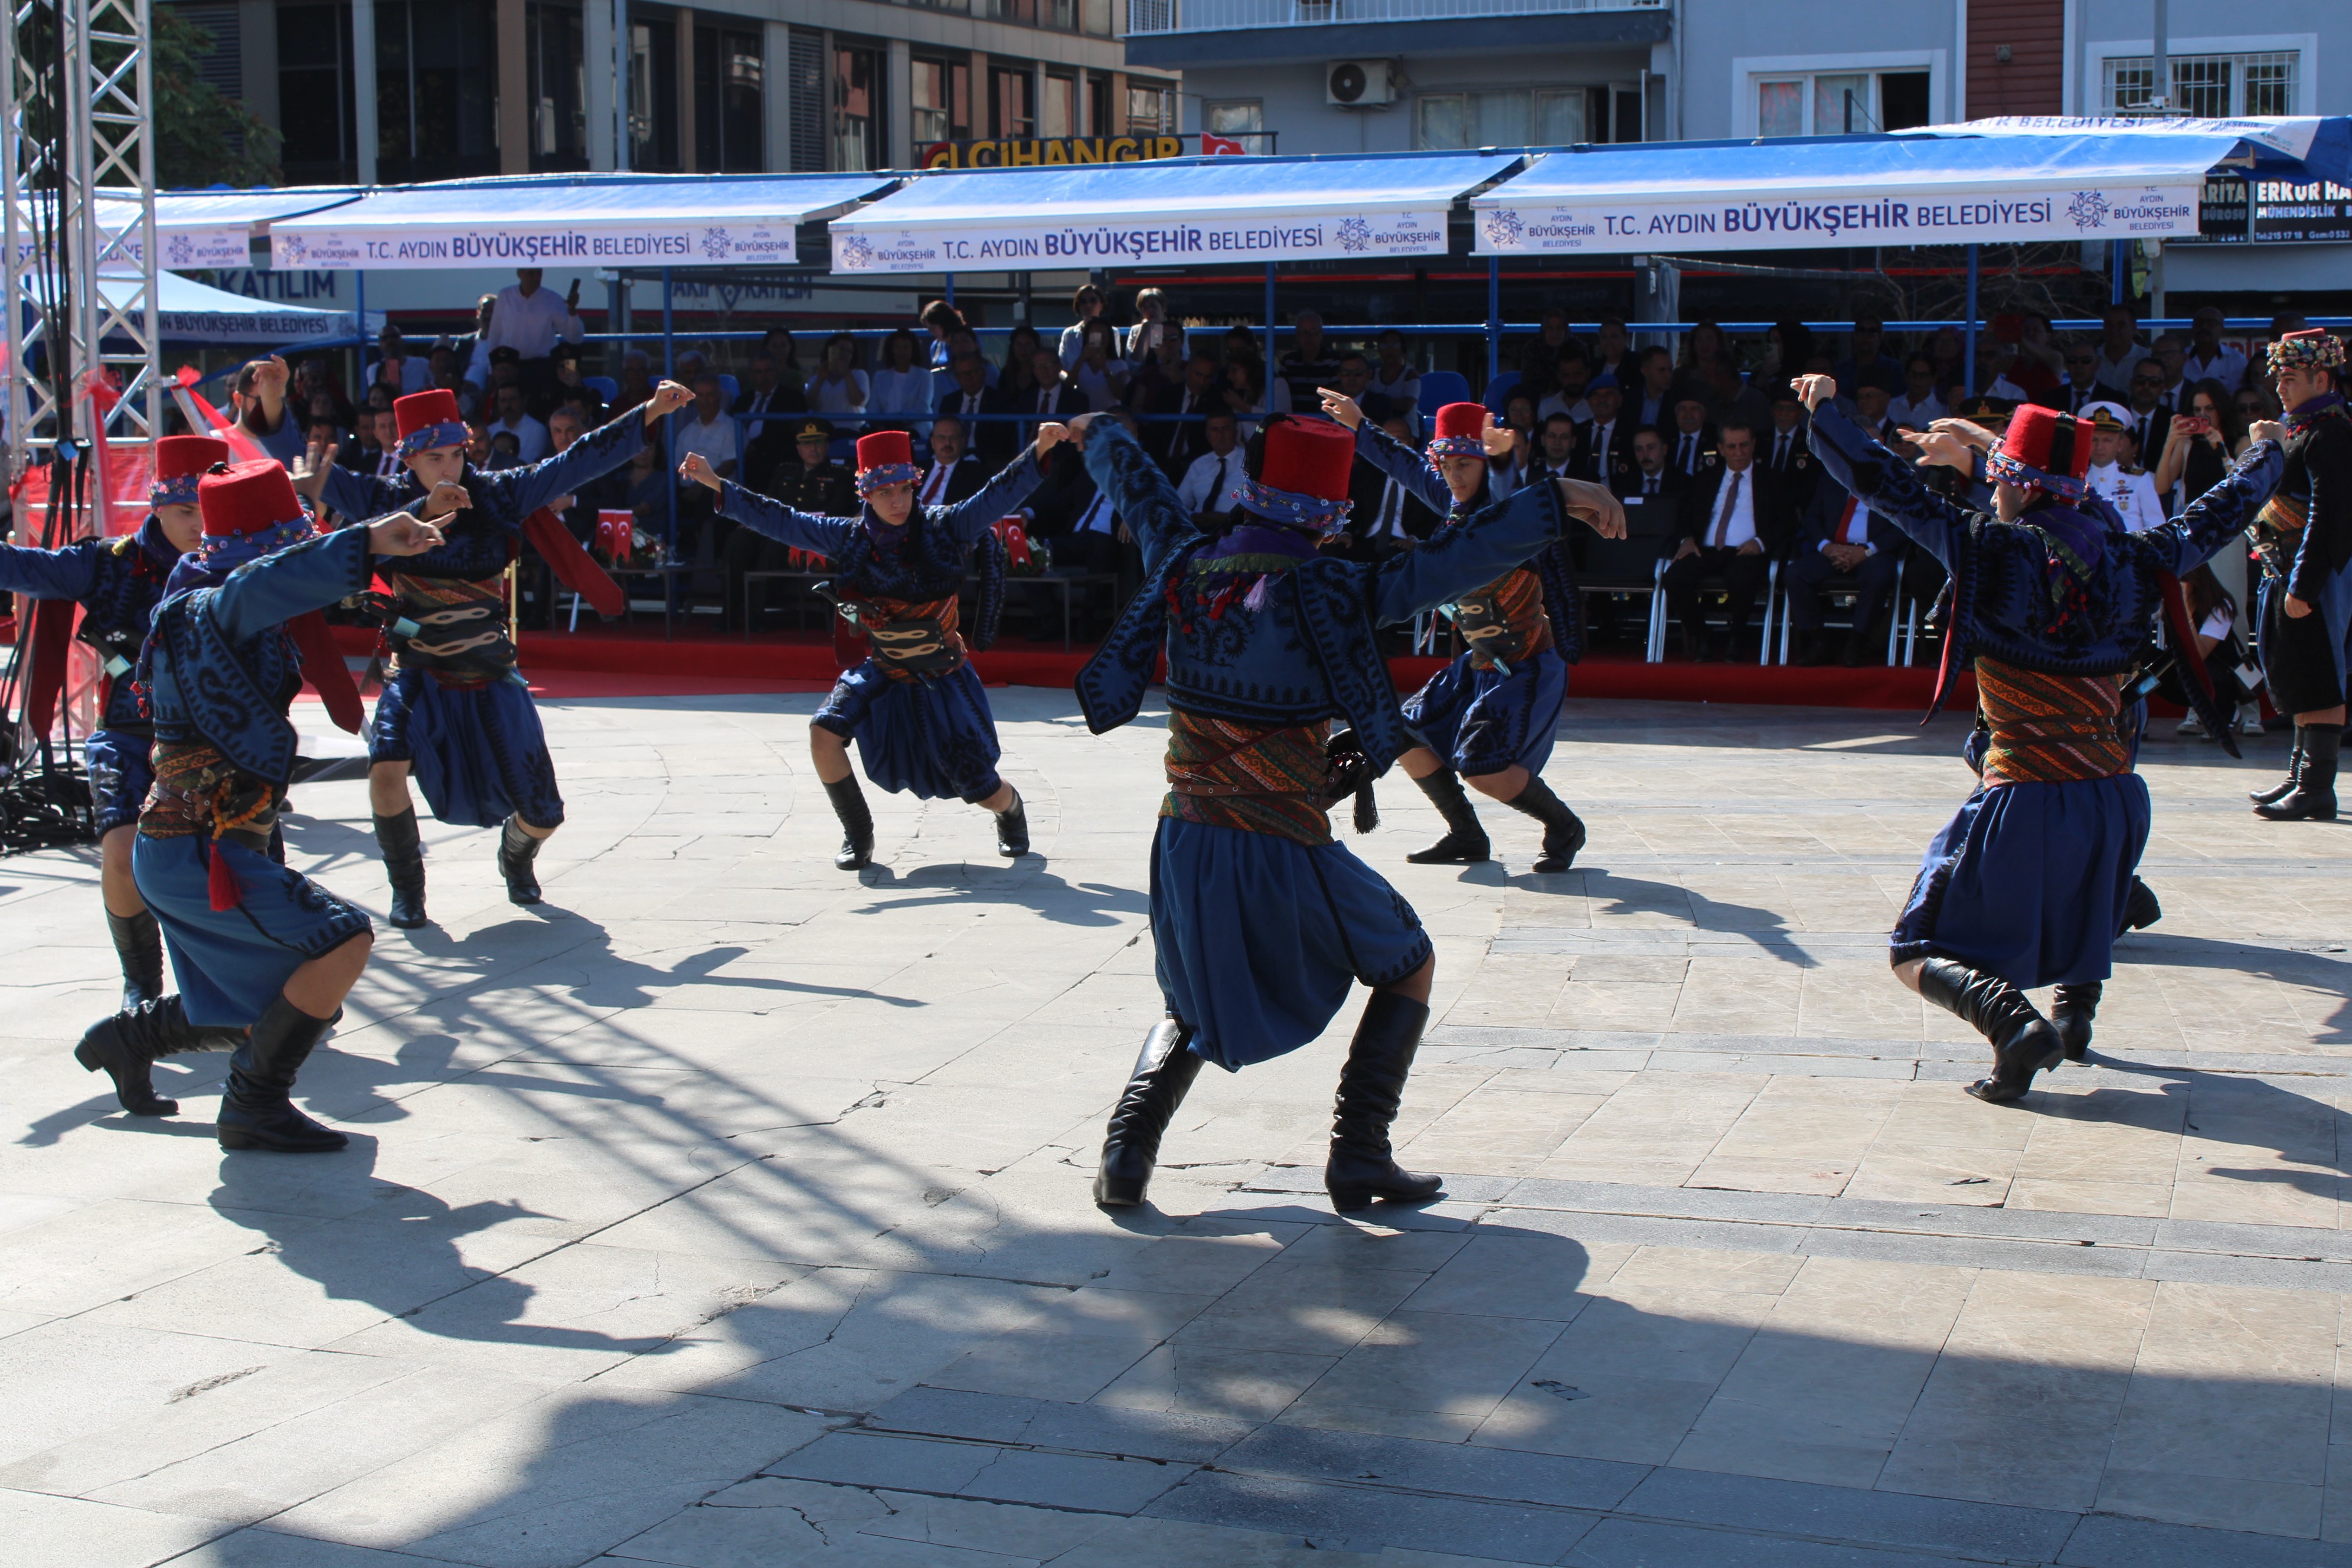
<point>1220,147</point>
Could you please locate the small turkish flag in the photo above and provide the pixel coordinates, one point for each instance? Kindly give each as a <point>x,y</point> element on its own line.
<point>1220,147</point>
<point>616,528</point>
<point>1016,540</point>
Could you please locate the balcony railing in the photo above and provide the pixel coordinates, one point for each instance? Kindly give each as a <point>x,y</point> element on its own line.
<point>1224,15</point>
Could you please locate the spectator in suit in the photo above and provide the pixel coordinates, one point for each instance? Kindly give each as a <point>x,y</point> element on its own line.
<point>1917,406</point>
<point>1731,400</point>
<point>1386,516</point>
<point>1612,351</point>
<point>1866,357</point>
<point>1870,402</point>
<point>1555,452</point>
<point>1690,439</point>
<point>1651,402</point>
<point>1999,371</point>
<point>2151,420</point>
<point>1087,535</point>
<point>972,398</point>
<point>1646,480</point>
<point>1056,398</point>
<point>1603,440</point>
<point>1393,378</point>
<point>1786,453</point>
<point>1311,366</point>
<point>2119,350</point>
<point>954,473</point>
<point>2170,351</point>
<point>1176,439</point>
<point>1841,537</point>
<point>1212,487</point>
<point>2208,358</point>
<point>815,483</point>
<point>1733,524</point>
<point>1355,379</point>
<point>766,393</point>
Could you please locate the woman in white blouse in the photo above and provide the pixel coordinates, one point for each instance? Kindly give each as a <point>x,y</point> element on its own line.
<point>839,388</point>
<point>1098,374</point>
<point>901,389</point>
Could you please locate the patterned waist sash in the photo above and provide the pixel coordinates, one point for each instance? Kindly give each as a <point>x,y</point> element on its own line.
<point>913,641</point>
<point>461,636</point>
<point>1503,621</point>
<point>2049,729</point>
<point>197,790</point>
<point>1250,776</point>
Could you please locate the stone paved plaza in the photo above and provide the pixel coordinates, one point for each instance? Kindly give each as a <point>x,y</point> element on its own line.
<point>731,1211</point>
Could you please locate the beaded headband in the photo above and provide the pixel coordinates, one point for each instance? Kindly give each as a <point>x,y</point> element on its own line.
<point>2313,349</point>
<point>874,479</point>
<point>1294,509</point>
<point>180,491</point>
<point>426,438</point>
<point>1999,466</point>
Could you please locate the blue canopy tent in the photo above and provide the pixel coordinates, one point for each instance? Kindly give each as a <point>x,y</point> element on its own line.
<point>2300,149</point>
<point>190,314</point>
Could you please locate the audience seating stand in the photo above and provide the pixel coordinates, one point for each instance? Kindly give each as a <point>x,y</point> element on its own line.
<point>1902,615</point>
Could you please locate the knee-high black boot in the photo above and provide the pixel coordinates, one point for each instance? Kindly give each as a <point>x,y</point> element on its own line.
<point>1013,828</point>
<point>517,850</point>
<point>1163,1071</point>
<point>1465,841</point>
<point>257,1110</point>
<point>1362,1166</point>
<point>2294,775</point>
<point>126,1045</point>
<point>2313,798</point>
<point>1563,829</point>
<point>2023,1042</point>
<point>139,946</point>
<point>856,849</point>
<point>2072,1008</point>
<point>404,868</point>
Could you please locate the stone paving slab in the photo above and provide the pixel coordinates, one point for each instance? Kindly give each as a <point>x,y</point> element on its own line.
<point>728,1210</point>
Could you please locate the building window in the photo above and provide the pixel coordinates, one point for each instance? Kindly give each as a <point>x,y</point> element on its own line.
<point>1147,108</point>
<point>1012,97</point>
<point>436,86</point>
<point>1099,105</point>
<point>1239,117</point>
<point>653,93</point>
<point>559,112</point>
<point>730,84</point>
<point>857,110</point>
<point>2209,87</point>
<point>314,98</point>
<point>1838,104</point>
<point>1061,117</point>
<point>1519,118</point>
<point>943,102</point>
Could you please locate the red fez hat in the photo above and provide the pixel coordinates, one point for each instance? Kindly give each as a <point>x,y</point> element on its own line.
<point>2042,447</point>
<point>248,499</point>
<point>180,462</point>
<point>425,415</point>
<point>1308,457</point>
<point>883,448</point>
<point>1462,419</point>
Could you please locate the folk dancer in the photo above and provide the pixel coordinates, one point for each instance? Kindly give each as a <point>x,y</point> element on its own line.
<point>264,956</point>
<point>119,581</point>
<point>1490,716</point>
<point>2303,537</point>
<point>915,706</point>
<point>455,710</point>
<point>2030,883</point>
<point>1263,923</point>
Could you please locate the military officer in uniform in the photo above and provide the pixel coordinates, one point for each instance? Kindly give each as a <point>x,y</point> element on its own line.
<point>816,485</point>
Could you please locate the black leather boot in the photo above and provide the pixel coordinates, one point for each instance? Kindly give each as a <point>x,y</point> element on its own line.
<point>517,850</point>
<point>1012,829</point>
<point>2071,1007</point>
<point>139,945</point>
<point>856,851</point>
<point>2294,775</point>
<point>255,1111</point>
<point>1563,829</point>
<point>125,1046</point>
<point>404,868</point>
<point>2141,910</point>
<point>1371,1086</point>
<point>1812,651</point>
<point>2023,1042</point>
<point>1163,1071</point>
<point>2313,798</point>
<point>1465,841</point>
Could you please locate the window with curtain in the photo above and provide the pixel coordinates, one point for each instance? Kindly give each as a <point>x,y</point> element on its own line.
<point>1146,107</point>
<point>1061,116</point>
<point>1524,117</point>
<point>1014,95</point>
<point>2215,86</point>
<point>942,106</point>
<point>1838,104</point>
<point>857,110</point>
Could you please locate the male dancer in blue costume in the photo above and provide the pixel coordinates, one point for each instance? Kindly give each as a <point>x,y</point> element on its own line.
<point>455,709</point>
<point>915,706</point>
<point>2029,885</point>
<point>1491,715</point>
<point>264,956</point>
<point>119,581</point>
<point>2304,538</point>
<point>1262,923</point>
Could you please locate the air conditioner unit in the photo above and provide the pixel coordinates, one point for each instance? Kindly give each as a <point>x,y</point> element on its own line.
<point>1354,83</point>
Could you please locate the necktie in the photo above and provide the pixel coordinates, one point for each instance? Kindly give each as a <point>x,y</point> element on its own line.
<point>1780,453</point>
<point>1649,484</point>
<point>1730,499</point>
<point>939,482</point>
<point>1684,462</point>
<point>1217,496</point>
<point>1391,510</point>
<point>1845,521</point>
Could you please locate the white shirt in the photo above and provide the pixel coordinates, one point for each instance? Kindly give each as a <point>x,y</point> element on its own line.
<point>1214,483</point>
<point>529,434</point>
<point>716,441</point>
<point>1852,529</point>
<point>1598,445</point>
<point>1738,490</point>
<point>1099,516</point>
<point>531,323</point>
<point>935,483</point>
<point>1557,402</point>
<point>1918,416</point>
<point>1405,388</point>
<point>415,375</point>
<point>1389,521</point>
<point>2131,494</point>
<point>2117,373</point>
<point>2008,390</point>
<point>2227,366</point>
<point>835,396</point>
<point>900,391</point>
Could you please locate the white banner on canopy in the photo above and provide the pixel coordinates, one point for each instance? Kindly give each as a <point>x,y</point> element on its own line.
<point>1000,244</point>
<point>184,250</point>
<point>1611,224</point>
<point>322,242</point>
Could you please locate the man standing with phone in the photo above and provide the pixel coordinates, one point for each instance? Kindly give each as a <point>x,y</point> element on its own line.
<point>531,320</point>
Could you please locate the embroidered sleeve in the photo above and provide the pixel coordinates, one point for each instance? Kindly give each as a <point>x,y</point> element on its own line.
<point>68,574</point>
<point>361,495</point>
<point>1406,466</point>
<point>590,458</point>
<point>1886,484</point>
<point>761,514</point>
<point>2221,513</point>
<point>1475,553</point>
<point>977,512</point>
<point>278,587</point>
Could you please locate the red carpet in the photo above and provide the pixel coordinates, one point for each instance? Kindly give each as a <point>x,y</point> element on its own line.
<point>636,661</point>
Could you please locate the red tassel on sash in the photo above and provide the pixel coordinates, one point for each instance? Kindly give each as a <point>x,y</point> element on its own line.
<point>323,668</point>
<point>220,882</point>
<point>51,636</point>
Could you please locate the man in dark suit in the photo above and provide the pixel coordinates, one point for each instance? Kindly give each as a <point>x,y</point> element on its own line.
<point>812,483</point>
<point>1385,517</point>
<point>768,395</point>
<point>1604,441</point>
<point>1555,454</point>
<point>2151,420</point>
<point>1841,539</point>
<point>2082,385</point>
<point>1735,522</point>
<point>1651,400</point>
<point>1785,451</point>
<point>1083,528</point>
<point>1690,442</point>
<point>1649,486</point>
<point>954,473</point>
<point>1175,442</point>
<point>991,440</point>
<point>1056,397</point>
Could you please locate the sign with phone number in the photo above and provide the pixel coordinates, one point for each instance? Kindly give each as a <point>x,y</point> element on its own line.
<point>2282,214</point>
